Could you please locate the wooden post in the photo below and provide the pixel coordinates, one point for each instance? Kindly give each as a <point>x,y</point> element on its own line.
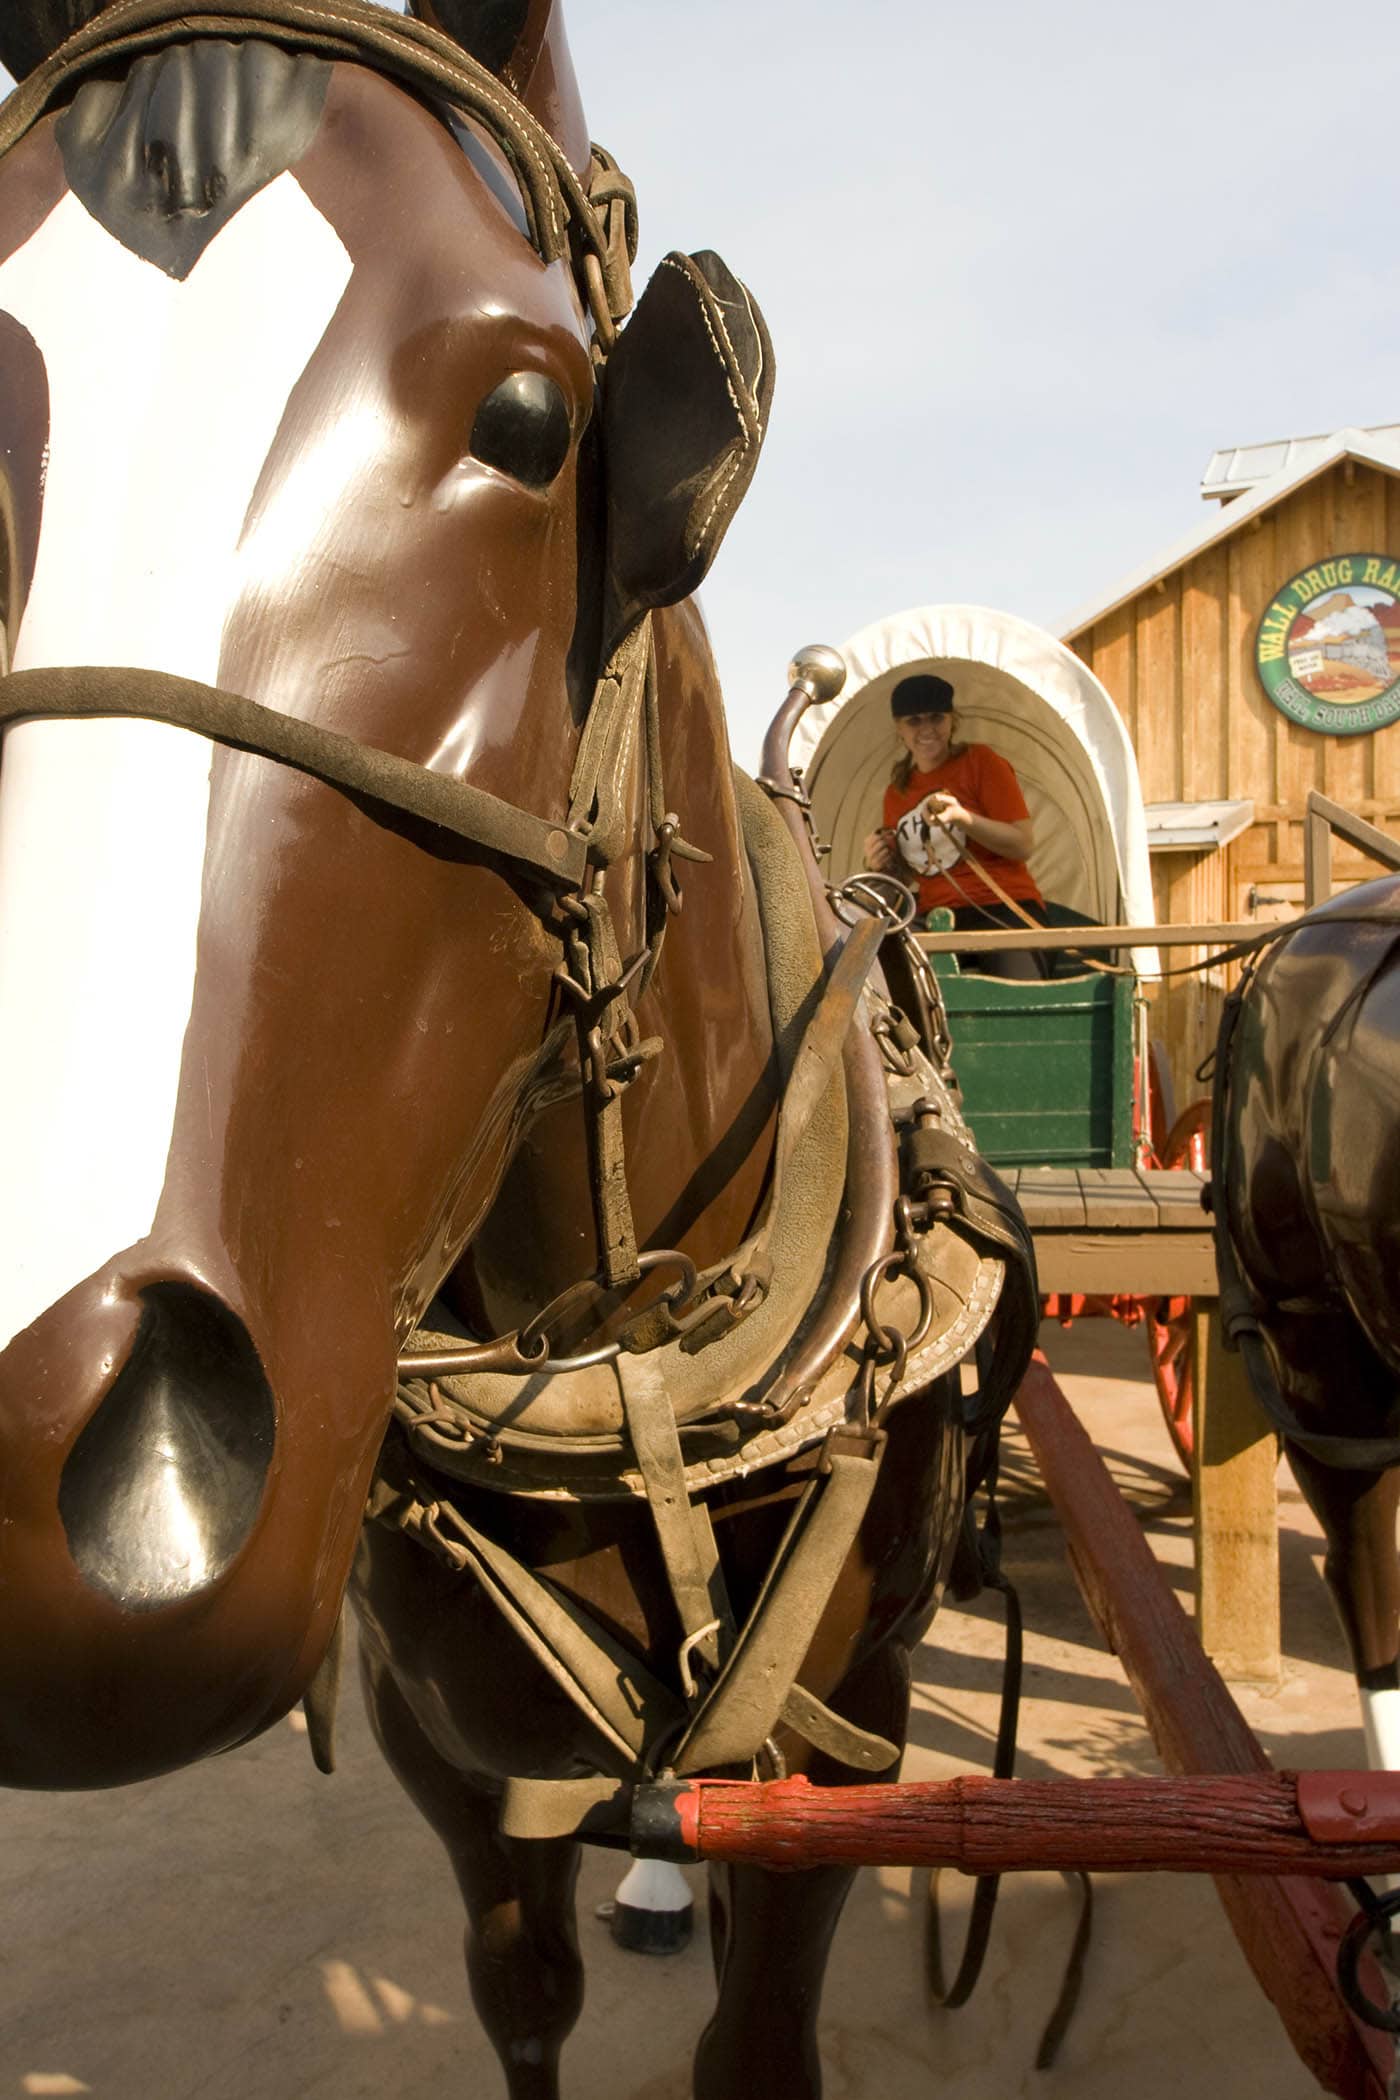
<point>1317,858</point>
<point>1236,1500</point>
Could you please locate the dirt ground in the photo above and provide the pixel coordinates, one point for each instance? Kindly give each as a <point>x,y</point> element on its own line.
<point>252,1931</point>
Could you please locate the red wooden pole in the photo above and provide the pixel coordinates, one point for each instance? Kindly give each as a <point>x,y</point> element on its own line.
<point>1246,1825</point>
<point>1289,1928</point>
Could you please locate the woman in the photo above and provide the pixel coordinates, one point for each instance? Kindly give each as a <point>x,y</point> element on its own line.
<point>943,799</point>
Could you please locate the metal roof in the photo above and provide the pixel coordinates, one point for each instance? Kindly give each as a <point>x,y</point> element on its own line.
<point>1236,468</point>
<point>1189,827</point>
<point>1372,448</point>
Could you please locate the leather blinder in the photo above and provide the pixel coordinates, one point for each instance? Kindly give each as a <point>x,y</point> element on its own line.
<point>686,396</point>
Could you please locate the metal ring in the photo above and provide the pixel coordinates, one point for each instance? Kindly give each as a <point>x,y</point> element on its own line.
<point>679,1295</point>
<point>888,1340</point>
<point>898,910</point>
<point>926,1305</point>
<point>1376,1916</point>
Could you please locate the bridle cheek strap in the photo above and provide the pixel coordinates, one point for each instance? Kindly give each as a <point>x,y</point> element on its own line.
<point>556,855</point>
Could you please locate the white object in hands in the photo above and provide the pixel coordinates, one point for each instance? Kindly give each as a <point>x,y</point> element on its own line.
<point>927,846</point>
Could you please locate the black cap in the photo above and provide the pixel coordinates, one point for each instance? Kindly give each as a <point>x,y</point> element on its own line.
<point>922,694</point>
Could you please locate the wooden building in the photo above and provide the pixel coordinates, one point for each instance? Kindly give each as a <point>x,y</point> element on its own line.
<point>1250,663</point>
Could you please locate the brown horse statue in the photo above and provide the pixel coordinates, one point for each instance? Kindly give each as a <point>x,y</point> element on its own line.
<point>381,1139</point>
<point>1306,1153</point>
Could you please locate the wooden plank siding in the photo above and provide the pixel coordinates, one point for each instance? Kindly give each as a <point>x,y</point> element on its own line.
<point>1178,661</point>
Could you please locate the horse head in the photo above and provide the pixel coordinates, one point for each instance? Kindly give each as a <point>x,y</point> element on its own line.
<point>322,511</point>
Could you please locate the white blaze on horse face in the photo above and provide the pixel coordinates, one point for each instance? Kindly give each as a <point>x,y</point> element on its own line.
<point>165,400</point>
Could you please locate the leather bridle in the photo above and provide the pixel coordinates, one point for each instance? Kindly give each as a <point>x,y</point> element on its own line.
<point>590,221</point>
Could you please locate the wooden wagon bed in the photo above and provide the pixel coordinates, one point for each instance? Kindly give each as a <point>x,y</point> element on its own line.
<point>1111,1229</point>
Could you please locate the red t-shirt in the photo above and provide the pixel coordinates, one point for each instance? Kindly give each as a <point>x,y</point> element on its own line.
<point>986,784</point>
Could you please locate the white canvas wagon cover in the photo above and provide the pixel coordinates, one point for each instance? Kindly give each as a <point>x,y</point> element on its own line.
<point>1033,700</point>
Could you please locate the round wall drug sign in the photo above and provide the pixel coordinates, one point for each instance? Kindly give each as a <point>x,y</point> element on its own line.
<point>1328,647</point>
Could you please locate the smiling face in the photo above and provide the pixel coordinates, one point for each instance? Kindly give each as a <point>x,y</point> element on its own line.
<point>927,738</point>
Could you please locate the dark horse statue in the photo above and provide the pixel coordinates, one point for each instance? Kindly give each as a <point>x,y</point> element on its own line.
<point>395,1175</point>
<point>1306,1155</point>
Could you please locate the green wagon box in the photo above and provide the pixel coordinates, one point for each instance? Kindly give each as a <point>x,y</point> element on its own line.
<point>1046,1070</point>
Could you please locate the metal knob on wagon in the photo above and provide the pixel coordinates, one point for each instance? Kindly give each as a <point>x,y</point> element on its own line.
<point>819,670</point>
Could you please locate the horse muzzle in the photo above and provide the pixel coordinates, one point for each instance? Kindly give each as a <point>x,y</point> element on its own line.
<point>139,1627</point>
<point>163,1486</point>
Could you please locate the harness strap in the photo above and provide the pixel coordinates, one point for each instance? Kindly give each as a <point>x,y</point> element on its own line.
<point>683,1529</point>
<point>620,719</point>
<point>627,1705</point>
<point>597,792</point>
<point>557,1808</point>
<point>663,890</point>
<point>636,1715</point>
<point>735,1286</point>
<point>986,1887</point>
<point>556,855</point>
<point>609,1058</point>
<point>755,1689</point>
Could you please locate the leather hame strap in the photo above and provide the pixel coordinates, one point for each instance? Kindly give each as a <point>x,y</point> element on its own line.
<point>627,1705</point>
<point>758,1687</point>
<point>684,1532</point>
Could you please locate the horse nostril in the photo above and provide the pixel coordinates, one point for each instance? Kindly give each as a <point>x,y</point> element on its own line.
<point>160,1491</point>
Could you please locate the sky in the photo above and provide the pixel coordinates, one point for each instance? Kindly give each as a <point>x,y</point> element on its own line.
<point>1025,268</point>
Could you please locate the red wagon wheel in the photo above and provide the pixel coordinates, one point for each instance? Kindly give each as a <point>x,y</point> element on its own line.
<point>1169,1319</point>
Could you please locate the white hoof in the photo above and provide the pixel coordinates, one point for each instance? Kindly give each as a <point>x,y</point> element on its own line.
<point>654,1912</point>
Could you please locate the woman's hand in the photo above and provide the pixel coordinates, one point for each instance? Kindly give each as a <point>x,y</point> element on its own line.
<point>1010,841</point>
<point>941,808</point>
<point>881,854</point>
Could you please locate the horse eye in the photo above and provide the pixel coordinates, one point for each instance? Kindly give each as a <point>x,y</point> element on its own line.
<point>523,428</point>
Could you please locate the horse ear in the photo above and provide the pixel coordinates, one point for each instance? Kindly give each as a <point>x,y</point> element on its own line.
<point>686,395</point>
<point>31,30</point>
<point>490,31</point>
<point>524,44</point>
